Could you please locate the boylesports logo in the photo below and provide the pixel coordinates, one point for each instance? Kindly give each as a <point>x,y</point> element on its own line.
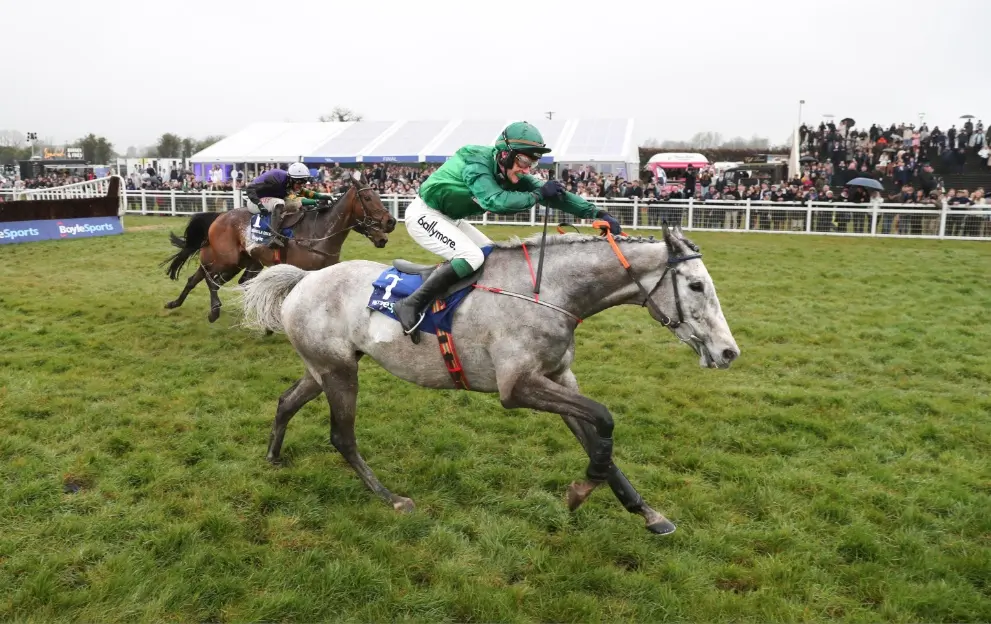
<point>431,228</point>
<point>84,228</point>
<point>9,234</point>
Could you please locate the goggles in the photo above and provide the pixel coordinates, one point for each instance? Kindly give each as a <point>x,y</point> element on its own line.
<point>525,161</point>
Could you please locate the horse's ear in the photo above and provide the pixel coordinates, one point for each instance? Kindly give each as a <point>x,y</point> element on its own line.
<point>677,231</point>
<point>356,177</point>
<point>668,238</point>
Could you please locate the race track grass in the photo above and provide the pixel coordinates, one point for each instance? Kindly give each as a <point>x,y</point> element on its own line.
<point>839,471</point>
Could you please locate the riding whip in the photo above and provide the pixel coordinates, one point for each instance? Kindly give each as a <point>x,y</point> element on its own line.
<point>540,261</point>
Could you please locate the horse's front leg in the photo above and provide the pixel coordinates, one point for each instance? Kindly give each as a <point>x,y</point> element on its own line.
<point>341,387</point>
<point>592,424</point>
<point>620,485</point>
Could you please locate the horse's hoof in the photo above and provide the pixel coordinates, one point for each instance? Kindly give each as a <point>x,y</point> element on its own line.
<point>171,305</point>
<point>269,332</point>
<point>661,527</point>
<point>214,315</point>
<point>403,504</point>
<point>578,493</point>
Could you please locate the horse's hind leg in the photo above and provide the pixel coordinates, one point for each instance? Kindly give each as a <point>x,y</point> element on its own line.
<point>214,282</point>
<point>191,283</point>
<point>298,395</point>
<point>250,273</point>
<point>341,387</point>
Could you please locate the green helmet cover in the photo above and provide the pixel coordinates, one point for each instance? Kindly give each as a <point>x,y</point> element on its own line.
<point>520,136</point>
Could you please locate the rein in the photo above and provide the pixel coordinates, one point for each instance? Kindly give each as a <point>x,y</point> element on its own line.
<point>535,279</point>
<point>365,222</point>
<point>671,264</point>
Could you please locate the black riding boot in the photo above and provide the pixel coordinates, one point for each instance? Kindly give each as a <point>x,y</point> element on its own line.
<point>409,309</point>
<point>275,226</point>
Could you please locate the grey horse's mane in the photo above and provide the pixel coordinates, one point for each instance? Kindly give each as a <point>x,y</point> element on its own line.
<point>516,242</point>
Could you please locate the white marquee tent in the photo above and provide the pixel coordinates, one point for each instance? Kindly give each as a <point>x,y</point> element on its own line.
<point>607,144</point>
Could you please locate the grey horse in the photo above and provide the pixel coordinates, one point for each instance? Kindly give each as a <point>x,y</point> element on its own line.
<point>514,345</point>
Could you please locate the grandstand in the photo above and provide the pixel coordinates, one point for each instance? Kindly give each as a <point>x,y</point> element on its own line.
<point>606,144</point>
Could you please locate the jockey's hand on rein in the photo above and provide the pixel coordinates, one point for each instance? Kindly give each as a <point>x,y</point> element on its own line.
<point>614,227</point>
<point>551,188</point>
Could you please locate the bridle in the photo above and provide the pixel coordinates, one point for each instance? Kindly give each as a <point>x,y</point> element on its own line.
<point>670,267</point>
<point>366,223</point>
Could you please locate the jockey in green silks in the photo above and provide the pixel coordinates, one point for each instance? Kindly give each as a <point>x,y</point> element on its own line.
<point>475,180</point>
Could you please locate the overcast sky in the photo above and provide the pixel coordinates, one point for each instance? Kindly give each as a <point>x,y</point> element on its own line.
<point>133,70</point>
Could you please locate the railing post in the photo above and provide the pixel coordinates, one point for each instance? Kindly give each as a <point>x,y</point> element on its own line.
<point>485,218</point>
<point>691,212</point>
<point>203,197</point>
<point>942,220</point>
<point>874,219</point>
<point>172,200</point>
<point>144,202</point>
<point>636,212</point>
<point>746,226</point>
<point>808,217</point>
<point>394,207</point>
<point>533,214</point>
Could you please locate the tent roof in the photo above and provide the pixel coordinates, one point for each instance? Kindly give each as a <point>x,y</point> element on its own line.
<point>572,140</point>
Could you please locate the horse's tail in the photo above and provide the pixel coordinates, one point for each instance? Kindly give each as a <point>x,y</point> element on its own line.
<point>190,243</point>
<point>262,296</point>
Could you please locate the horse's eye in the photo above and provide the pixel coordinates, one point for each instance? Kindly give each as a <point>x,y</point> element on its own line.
<point>697,286</point>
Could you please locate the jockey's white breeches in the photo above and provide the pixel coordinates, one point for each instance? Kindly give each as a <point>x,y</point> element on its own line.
<point>267,204</point>
<point>444,236</point>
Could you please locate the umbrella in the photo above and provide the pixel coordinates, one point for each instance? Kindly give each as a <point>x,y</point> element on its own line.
<point>870,183</point>
<point>849,122</point>
<point>966,116</point>
<point>807,159</point>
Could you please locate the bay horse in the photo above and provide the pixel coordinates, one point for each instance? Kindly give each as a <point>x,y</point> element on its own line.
<point>224,243</point>
<point>518,346</point>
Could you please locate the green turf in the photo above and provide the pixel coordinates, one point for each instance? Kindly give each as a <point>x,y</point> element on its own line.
<point>838,471</point>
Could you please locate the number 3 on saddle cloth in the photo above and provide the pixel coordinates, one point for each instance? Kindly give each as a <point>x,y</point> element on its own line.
<point>393,285</point>
<point>260,232</point>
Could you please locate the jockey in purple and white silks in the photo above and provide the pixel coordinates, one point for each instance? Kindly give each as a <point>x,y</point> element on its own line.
<point>271,186</point>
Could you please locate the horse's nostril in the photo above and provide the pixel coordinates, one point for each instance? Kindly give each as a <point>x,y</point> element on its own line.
<point>729,355</point>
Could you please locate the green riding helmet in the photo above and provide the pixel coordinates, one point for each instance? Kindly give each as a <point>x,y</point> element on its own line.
<point>521,137</point>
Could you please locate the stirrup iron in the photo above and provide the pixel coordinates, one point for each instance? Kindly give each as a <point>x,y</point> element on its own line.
<point>415,327</point>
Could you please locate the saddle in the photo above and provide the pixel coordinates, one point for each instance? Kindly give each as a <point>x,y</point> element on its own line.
<point>424,271</point>
<point>292,219</point>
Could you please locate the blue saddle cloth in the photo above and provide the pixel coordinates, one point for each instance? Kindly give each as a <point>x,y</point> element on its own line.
<point>259,229</point>
<point>392,285</point>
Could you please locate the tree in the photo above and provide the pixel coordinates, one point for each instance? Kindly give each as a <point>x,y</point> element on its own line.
<point>342,114</point>
<point>207,142</point>
<point>96,150</point>
<point>708,141</point>
<point>12,138</point>
<point>169,146</point>
<point>188,147</point>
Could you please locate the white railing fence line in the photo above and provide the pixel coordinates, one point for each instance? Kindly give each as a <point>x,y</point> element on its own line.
<point>826,218</point>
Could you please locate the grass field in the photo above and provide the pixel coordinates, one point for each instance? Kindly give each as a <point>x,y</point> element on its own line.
<point>838,471</point>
